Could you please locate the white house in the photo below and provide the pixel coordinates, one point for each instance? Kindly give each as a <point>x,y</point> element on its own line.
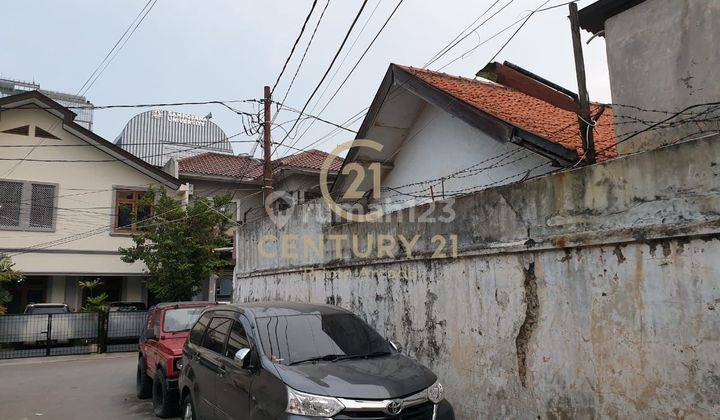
<point>444,135</point>
<point>66,199</point>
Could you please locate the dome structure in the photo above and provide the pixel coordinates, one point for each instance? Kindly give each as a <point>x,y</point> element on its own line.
<point>158,135</point>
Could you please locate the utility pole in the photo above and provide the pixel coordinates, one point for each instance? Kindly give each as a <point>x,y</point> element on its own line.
<point>267,142</point>
<point>586,131</point>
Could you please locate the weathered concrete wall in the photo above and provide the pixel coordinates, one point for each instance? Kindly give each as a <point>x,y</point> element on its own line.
<point>662,52</point>
<point>591,293</point>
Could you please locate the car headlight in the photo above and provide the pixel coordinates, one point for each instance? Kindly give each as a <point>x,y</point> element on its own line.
<point>436,393</point>
<point>304,404</point>
<point>178,364</point>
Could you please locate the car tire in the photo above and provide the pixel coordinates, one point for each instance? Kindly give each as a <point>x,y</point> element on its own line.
<point>165,402</point>
<point>188,408</point>
<point>143,383</point>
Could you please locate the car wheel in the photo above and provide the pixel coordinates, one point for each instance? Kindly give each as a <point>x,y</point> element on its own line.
<point>188,408</point>
<point>164,400</point>
<point>143,383</point>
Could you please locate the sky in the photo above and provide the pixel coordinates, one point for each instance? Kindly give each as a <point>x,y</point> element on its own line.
<point>202,50</point>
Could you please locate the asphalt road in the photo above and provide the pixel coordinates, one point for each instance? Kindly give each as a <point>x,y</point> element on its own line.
<point>71,387</point>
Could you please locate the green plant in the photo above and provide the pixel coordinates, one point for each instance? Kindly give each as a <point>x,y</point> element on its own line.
<point>177,243</point>
<point>93,303</point>
<point>7,276</point>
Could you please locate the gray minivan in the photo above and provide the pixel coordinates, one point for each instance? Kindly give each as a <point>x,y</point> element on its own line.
<point>300,361</point>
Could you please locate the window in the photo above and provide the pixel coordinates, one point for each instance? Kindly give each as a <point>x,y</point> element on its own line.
<point>198,330</point>
<point>216,334</point>
<point>42,209</point>
<point>293,338</point>
<point>127,206</point>
<point>26,205</point>
<point>181,319</point>
<point>237,340</point>
<point>10,203</point>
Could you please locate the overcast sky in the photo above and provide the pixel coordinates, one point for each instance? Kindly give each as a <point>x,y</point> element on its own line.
<point>197,50</point>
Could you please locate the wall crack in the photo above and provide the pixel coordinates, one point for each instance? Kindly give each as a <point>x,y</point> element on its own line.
<point>532,308</point>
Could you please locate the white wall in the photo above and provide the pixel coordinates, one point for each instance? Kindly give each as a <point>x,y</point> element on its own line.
<point>439,144</point>
<point>85,198</point>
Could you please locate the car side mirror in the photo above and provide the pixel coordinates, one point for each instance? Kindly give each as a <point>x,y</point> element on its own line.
<point>242,356</point>
<point>150,335</point>
<point>395,345</point>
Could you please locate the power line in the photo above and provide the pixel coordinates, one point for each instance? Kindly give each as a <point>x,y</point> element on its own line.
<point>327,71</point>
<point>442,50</point>
<point>117,51</point>
<point>357,63</point>
<point>454,44</point>
<point>518,30</point>
<point>292,50</point>
<point>113,47</point>
<point>302,59</point>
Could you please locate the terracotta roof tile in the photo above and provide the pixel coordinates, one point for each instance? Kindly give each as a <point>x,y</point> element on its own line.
<point>218,164</point>
<point>310,159</point>
<point>524,111</point>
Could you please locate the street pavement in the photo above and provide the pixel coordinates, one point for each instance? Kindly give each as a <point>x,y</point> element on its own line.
<point>71,387</point>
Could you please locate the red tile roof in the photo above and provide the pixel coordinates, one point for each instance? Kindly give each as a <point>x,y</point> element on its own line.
<point>524,111</point>
<point>218,164</point>
<point>310,159</point>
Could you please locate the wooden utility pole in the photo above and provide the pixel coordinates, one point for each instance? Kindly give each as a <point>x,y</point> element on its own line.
<point>267,142</point>
<point>586,131</point>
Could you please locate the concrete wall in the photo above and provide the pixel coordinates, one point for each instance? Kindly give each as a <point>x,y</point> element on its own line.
<point>589,293</point>
<point>85,199</point>
<point>662,52</point>
<point>437,136</point>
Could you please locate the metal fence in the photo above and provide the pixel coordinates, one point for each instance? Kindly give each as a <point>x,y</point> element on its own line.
<point>75,333</point>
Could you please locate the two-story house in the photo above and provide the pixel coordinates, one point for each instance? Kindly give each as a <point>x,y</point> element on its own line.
<point>67,197</point>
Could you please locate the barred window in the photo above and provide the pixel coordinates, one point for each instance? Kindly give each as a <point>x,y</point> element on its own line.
<point>26,205</point>
<point>10,200</point>
<point>42,206</point>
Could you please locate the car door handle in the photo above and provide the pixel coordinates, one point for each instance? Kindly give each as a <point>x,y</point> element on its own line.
<point>222,370</point>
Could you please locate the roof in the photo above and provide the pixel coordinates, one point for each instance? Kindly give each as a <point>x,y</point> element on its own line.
<point>311,159</point>
<point>37,99</point>
<point>592,18</point>
<point>267,309</point>
<point>523,111</point>
<point>246,167</point>
<point>221,165</point>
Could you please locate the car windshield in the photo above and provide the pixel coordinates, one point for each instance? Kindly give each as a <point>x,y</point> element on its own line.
<point>44,310</point>
<point>181,319</point>
<point>310,337</point>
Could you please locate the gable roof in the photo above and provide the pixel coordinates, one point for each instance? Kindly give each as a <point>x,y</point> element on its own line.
<point>249,169</point>
<point>221,165</point>
<point>523,111</point>
<point>37,100</point>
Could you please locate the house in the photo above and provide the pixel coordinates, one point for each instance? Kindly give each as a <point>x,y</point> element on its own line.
<point>662,56</point>
<point>445,135</point>
<point>217,174</point>
<point>66,200</point>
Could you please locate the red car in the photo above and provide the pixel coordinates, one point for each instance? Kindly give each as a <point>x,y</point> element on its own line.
<point>160,357</point>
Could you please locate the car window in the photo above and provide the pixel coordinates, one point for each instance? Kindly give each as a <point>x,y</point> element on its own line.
<point>156,325</point>
<point>237,340</point>
<point>217,334</point>
<point>198,330</point>
<point>181,319</point>
<point>293,338</point>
